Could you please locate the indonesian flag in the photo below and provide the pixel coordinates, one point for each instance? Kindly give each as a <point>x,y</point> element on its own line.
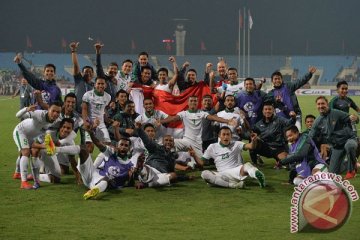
<point>171,104</point>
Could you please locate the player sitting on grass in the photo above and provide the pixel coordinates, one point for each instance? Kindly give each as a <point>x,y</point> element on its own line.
<point>159,168</point>
<point>304,153</point>
<point>231,171</point>
<point>114,172</point>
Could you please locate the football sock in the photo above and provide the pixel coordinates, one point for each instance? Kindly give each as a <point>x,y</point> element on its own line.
<point>71,150</point>
<point>250,169</point>
<point>35,167</point>
<point>102,185</point>
<point>24,162</point>
<point>17,168</point>
<point>99,159</point>
<point>297,181</point>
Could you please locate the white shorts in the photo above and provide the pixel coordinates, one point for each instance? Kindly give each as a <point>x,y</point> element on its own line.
<point>319,168</point>
<point>184,145</point>
<point>233,174</point>
<point>51,164</point>
<point>155,178</point>
<point>21,140</point>
<point>101,133</point>
<point>63,159</point>
<point>89,174</point>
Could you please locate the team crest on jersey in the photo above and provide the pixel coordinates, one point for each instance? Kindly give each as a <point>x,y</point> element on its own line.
<point>113,172</point>
<point>45,96</point>
<point>249,106</point>
<point>225,155</point>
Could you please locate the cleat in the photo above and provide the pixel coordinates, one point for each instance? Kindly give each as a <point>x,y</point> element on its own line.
<point>29,177</point>
<point>36,185</point>
<point>91,193</point>
<point>26,185</point>
<point>50,146</point>
<point>16,175</point>
<point>350,175</point>
<point>261,178</point>
<point>237,185</point>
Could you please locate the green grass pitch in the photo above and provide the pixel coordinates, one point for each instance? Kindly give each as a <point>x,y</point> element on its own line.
<point>187,210</point>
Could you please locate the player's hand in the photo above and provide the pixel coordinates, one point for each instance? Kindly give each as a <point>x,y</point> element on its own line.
<point>312,69</point>
<point>324,151</point>
<point>17,58</point>
<point>232,122</point>
<point>353,118</point>
<point>138,124</point>
<point>86,126</point>
<point>157,123</point>
<point>115,124</point>
<point>73,46</point>
<point>31,108</point>
<point>192,152</point>
<point>129,131</point>
<point>186,64</point>
<point>208,67</point>
<point>98,47</point>
<point>211,74</point>
<point>292,114</point>
<point>172,59</point>
<point>112,105</point>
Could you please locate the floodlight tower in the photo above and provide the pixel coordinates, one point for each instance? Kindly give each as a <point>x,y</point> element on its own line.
<point>180,34</point>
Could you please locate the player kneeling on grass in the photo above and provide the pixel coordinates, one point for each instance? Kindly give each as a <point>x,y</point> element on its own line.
<point>53,164</point>
<point>114,172</point>
<point>304,153</point>
<point>35,124</point>
<point>231,171</point>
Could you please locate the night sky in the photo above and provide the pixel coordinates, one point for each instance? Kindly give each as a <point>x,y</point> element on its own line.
<point>314,27</point>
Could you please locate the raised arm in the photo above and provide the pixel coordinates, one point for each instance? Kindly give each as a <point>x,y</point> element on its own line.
<point>73,47</point>
<point>35,82</point>
<point>101,146</point>
<point>176,72</point>
<point>99,68</point>
<point>301,82</point>
<point>208,69</point>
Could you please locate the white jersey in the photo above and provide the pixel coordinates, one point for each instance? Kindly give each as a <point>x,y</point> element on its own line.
<point>231,115</point>
<point>193,124</point>
<point>232,89</point>
<point>157,115</point>
<point>97,104</point>
<point>122,81</point>
<point>164,87</point>
<point>225,157</point>
<point>75,117</point>
<point>35,125</point>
